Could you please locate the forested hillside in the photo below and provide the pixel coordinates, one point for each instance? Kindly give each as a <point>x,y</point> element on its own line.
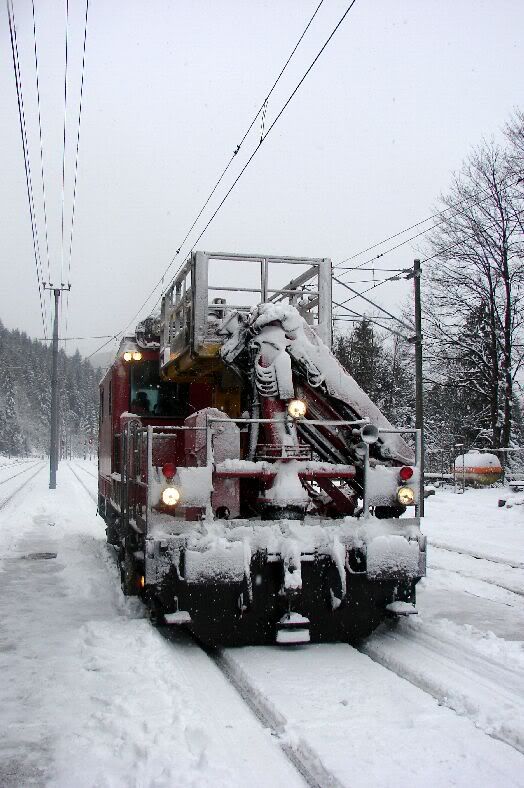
<point>25,390</point>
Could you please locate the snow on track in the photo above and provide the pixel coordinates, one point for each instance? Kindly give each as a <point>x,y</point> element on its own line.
<point>367,725</point>
<point>91,694</point>
<point>486,687</point>
<point>9,488</point>
<point>5,479</point>
<point>508,577</point>
<point>88,466</point>
<point>14,489</point>
<point>478,554</point>
<point>473,525</point>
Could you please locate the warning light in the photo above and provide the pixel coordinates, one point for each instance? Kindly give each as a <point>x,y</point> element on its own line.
<point>169,470</point>
<point>405,473</point>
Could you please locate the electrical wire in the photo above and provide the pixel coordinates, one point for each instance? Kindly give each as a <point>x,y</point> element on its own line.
<point>358,318</point>
<point>41,143</point>
<point>377,306</point>
<point>78,140</point>
<point>393,248</point>
<point>246,165</point>
<point>472,201</point>
<point>391,278</point>
<point>112,338</point>
<point>73,210</point>
<point>64,140</point>
<point>275,121</point>
<point>69,339</point>
<point>27,164</point>
<point>262,108</point>
<point>390,238</point>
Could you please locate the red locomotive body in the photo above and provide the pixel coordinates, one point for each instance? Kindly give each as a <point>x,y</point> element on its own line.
<point>250,487</point>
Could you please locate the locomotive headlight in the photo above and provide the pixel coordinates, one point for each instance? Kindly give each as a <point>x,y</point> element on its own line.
<point>405,496</point>
<point>297,409</point>
<point>137,356</point>
<point>128,356</point>
<point>170,496</point>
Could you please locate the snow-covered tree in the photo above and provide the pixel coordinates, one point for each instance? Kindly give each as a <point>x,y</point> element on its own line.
<point>25,393</point>
<point>383,367</point>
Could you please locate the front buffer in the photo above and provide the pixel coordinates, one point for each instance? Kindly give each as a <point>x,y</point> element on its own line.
<point>283,583</point>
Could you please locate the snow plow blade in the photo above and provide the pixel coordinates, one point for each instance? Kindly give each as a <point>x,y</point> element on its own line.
<point>293,630</point>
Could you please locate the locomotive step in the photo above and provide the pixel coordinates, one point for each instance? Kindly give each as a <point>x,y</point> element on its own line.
<point>293,629</point>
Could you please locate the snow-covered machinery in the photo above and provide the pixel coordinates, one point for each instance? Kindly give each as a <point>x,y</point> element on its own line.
<point>252,489</point>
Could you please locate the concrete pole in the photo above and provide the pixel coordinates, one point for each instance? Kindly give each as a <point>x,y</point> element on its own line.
<point>53,451</point>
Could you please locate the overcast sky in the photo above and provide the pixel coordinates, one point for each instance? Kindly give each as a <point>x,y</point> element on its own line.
<point>391,108</point>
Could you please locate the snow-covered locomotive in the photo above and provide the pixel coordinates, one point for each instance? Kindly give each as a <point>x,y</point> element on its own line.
<point>253,491</point>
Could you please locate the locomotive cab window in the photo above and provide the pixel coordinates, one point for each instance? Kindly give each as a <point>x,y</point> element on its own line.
<point>151,396</point>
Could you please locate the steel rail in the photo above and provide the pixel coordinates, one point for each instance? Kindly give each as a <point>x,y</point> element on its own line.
<point>5,501</point>
<point>299,754</point>
<point>79,480</point>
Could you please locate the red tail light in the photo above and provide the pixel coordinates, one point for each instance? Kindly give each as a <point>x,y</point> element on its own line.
<point>169,470</point>
<point>405,473</point>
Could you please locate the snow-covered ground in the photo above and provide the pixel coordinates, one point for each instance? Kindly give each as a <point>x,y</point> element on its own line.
<point>473,523</point>
<point>92,695</point>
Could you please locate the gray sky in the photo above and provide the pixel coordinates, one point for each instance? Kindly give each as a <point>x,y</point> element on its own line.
<point>390,110</point>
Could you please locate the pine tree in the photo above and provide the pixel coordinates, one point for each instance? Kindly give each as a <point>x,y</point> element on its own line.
<point>25,386</point>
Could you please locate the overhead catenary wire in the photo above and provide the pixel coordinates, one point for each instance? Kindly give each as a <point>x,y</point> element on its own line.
<point>64,138</point>
<point>377,306</point>
<point>27,164</point>
<point>262,108</point>
<point>390,238</point>
<point>69,339</point>
<point>457,209</point>
<point>75,181</point>
<point>41,143</point>
<point>357,317</point>
<point>73,209</point>
<point>273,124</point>
<point>244,168</point>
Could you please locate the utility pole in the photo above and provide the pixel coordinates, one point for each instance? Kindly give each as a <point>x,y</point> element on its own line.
<point>53,449</point>
<point>419,393</point>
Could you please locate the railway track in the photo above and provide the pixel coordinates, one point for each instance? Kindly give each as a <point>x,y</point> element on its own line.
<point>89,473</point>
<point>471,576</point>
<point>19,473</point>
<point>305,760</point>
<point>77,477</point>
<point>16,462</point>
<point>479,555</point>
<point>5,501</point>
<point>456,676</point>
<point>408,652</point>
<point>299,754</point>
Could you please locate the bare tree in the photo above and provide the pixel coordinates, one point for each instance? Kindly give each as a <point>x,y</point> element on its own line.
<point>474,286</point>
<point>514,132</point>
